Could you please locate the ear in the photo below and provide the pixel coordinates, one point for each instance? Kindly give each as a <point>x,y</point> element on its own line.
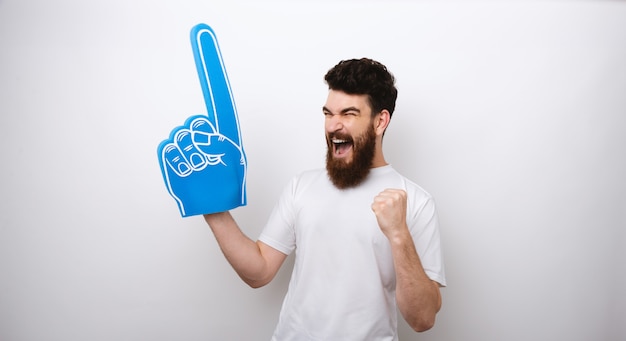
<point>381,122</point>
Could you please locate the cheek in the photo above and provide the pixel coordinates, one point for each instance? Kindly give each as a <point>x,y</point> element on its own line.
<point>362,129</point>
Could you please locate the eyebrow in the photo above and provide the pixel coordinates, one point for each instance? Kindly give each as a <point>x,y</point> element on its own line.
<point>343,111</point>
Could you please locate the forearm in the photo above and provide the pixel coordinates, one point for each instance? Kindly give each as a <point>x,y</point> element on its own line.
<point>243,254</point>
<point>417,295</point>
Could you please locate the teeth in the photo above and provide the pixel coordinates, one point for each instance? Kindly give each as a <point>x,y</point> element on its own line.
<point>339,141</point>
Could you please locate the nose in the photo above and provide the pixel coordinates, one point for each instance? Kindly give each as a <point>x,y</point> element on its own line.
<point>333,123</point>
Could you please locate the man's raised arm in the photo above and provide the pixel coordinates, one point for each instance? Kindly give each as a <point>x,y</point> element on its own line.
<point>255,262</point>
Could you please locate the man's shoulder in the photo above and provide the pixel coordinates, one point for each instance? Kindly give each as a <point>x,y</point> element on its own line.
<point>410,186</point>
<point>312,173</point>
<point>311,177</point>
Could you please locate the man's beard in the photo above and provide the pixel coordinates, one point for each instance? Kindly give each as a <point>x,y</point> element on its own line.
<point>349,174</point>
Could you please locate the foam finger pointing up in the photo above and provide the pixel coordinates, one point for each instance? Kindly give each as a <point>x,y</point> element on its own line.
<point>218,97</point>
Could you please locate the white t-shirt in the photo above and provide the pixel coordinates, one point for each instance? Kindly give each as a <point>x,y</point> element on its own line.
<point>343,282</point>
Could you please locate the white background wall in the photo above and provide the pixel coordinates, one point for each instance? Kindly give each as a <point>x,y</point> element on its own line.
<point>512,114</point>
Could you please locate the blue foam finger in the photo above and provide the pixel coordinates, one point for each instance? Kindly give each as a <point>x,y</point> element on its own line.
<point>203,163</point>
<point>214,82</point>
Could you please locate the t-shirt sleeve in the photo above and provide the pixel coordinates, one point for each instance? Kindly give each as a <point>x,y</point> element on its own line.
<point>426,236</point>
<point>279,232</point>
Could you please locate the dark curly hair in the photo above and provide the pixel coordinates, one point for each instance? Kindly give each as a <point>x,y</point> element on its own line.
<point>365,77</point>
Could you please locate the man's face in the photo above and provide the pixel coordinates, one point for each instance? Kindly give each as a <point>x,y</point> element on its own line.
<point>350,137</point>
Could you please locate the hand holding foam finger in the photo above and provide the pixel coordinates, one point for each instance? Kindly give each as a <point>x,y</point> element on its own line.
<point>203,163</point>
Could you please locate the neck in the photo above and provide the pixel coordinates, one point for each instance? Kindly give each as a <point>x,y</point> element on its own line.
<point>379,158</point>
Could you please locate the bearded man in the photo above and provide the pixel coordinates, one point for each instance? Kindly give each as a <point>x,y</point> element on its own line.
<point>366,239</point>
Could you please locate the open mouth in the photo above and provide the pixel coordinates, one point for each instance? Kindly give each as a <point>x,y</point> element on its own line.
<point>341,147</point>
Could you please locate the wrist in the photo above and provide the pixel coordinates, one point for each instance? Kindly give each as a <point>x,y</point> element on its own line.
<point>215,218</point>
<point>400,236</point>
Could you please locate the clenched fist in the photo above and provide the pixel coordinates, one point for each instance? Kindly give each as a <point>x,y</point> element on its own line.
<point>389,206</point>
